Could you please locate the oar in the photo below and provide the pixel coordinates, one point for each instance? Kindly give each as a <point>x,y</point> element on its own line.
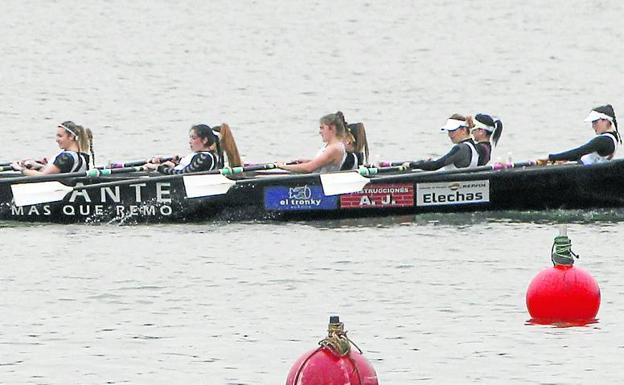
<point>6,168</point>
<point>207,183</point>
<point>27,191</point>
<point>489,167</point>
<point>336,183</point>
<point>4,164</point>
<point>133,163</point>
<point>30,192</point>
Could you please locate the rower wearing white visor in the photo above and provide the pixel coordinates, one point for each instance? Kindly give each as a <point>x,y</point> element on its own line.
<point>486,131</point>
<point>602,147</point>
<point>462,155</point>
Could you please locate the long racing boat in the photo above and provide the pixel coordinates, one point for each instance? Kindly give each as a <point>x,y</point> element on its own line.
<point>142,197</point>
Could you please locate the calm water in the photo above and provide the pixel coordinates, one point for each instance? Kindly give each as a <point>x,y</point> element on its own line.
<point>433,299</point>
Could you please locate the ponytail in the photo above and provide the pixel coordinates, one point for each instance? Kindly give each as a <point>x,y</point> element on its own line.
<point>88,142</point>
<point>83,137</point>
<point>358,134</point>
<point>228,144</point>
<point>498,130</point>
<point>469,122</point>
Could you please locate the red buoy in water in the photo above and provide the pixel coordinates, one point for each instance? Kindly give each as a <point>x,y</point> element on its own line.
<point>333,363</point>
<point>563,293</point>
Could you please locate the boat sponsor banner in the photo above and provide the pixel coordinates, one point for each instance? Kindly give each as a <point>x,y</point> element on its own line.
<point>452,193</point>
<point>298,198</point>
<point>378,196</point>
<point>142,199</point>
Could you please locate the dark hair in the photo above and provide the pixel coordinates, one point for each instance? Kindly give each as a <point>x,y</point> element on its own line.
<point>491,122</point>
<point>607,109</point>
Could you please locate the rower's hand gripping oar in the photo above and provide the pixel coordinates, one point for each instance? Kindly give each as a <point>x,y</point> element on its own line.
<point>8,164</point>
<point>25,194</point>
<point>135,163</point>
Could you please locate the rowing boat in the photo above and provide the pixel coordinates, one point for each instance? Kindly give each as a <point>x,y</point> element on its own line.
<point>141,197</point>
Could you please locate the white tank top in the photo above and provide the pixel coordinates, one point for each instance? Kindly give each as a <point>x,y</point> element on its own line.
<point>332,167</point>
<point>474,160</point>
<point>594,157</point>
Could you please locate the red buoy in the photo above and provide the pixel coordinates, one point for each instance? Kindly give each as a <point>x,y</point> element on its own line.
<point>563,293</point>
<point>333,363</point>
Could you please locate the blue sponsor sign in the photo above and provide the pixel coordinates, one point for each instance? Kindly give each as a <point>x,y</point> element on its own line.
<point>282,198</point>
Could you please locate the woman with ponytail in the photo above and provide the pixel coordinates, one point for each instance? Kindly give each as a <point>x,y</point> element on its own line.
<point>74,141</point>
<point>207,153</point>
<point>332,155</point>
<point>487,130</point>
<point>601,148</point>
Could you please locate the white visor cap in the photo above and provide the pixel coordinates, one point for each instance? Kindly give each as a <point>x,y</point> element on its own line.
<point>594,115</point>
<point>453,124</point>
<point>478,124</point>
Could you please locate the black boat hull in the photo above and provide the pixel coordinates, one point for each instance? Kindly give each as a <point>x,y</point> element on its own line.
<point>301,196</point>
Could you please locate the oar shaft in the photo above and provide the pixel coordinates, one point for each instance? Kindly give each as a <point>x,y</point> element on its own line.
<point>54,177</point>
<point>225,171</point>
<point>494,167</point>
<point>133,163</point>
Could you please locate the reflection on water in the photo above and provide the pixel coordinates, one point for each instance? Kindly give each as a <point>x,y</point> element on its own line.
<point>543,217</point>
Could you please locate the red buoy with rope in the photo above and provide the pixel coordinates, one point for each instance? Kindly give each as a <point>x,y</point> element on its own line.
<point>333,362</point>
<point>563,294</point>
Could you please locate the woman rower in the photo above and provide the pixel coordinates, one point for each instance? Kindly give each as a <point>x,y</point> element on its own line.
<point>74,140</point>
<point>356,144</point>
<point>207,152</point>
<point>487,130</point>
<point>601,148</point>
<point>332,155</point>
<point>462,155</point>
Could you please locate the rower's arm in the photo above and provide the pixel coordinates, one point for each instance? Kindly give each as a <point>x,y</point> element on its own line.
<point>431,165</point>
<point>600,144</point>
<point>330,155</point>
<point>200,162</point>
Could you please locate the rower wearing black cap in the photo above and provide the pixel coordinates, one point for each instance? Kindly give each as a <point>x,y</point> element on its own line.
<point>462,155</point>
<point>486,131</point>
<point>207,146</point>
<point>602,147</point>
